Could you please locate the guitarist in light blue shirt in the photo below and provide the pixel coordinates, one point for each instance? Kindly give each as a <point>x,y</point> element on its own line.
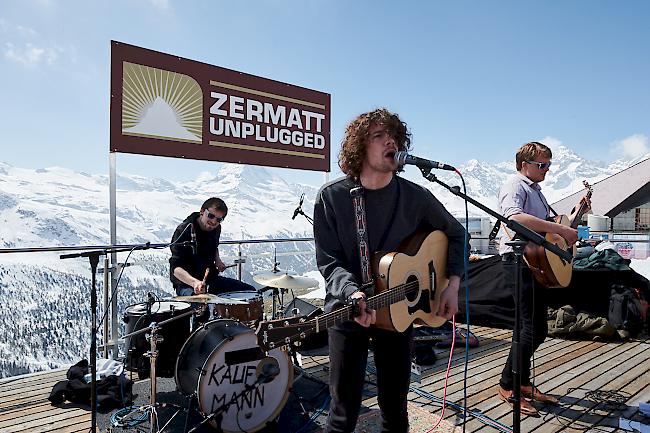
<point>521,199</point>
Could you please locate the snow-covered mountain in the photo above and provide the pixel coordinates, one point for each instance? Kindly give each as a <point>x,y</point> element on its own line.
<point>483,180</point>
<point>44,316</point>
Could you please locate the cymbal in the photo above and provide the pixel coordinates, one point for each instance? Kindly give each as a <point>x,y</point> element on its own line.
<point>284,281</point>
<point>207,298</point>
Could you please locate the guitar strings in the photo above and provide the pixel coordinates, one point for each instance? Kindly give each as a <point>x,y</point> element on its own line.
<point>393,295</point>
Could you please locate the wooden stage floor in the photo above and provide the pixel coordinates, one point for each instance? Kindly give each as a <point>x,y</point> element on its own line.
<point>597,384</point>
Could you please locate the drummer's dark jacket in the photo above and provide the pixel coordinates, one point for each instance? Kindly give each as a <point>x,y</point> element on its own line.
<point>183,256</point>
<point>393,212</point>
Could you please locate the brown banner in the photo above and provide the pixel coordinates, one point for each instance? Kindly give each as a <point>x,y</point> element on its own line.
<point>170,106</point>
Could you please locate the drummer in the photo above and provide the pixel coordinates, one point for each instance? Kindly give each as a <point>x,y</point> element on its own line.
<point>194,269</point>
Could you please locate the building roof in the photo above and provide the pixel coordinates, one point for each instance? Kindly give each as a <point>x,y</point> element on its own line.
<point>617,193</point>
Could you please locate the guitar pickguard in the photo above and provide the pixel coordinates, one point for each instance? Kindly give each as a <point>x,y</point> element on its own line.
<point>423,304</point>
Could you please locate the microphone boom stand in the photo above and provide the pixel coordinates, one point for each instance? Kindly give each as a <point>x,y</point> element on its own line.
<point>525,235</point>
<point>93,256</point>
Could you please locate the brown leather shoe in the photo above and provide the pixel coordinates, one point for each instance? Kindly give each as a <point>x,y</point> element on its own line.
<point>532,393</point>
<point>524,406</point>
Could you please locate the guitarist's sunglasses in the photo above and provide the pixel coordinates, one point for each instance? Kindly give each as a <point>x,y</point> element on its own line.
<point>540,165</point>
<point>212,216</point>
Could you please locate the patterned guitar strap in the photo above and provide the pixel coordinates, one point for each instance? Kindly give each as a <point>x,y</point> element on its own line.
<point>358,200</point>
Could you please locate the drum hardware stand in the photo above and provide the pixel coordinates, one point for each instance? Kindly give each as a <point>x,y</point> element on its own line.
<point>301,371</point>
<point>278,298</point>
<point>152,354</point>
<point>524,235</point>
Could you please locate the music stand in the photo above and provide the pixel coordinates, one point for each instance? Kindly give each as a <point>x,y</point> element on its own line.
<point>524,235</point>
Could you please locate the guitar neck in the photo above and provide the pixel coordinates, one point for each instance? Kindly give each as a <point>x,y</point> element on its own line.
<point>580,213</point>
<point>374,302</point>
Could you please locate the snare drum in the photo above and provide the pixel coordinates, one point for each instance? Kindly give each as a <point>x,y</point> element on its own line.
<point>219,361</point>
<point>247,307</point>
<point>174,335</point>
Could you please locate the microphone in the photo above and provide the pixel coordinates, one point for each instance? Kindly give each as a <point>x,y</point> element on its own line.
<point>267,370</point>
<point>193,235</point>
<point>299,208</point>
<point>402,158</point>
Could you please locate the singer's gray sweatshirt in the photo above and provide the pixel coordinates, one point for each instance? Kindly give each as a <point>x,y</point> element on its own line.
<point>411,207</point>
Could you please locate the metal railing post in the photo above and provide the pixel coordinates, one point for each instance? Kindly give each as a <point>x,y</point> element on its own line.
<point>239,262</point>
<point>107,336</point>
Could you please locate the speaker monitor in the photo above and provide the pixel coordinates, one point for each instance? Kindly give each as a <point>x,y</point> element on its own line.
<point>300,307</point>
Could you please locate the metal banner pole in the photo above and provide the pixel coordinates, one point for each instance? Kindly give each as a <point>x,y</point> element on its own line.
<point>114,269</point>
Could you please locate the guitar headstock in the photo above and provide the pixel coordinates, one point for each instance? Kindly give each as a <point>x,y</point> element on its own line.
<point>590,189</point>
<point>281,332</point>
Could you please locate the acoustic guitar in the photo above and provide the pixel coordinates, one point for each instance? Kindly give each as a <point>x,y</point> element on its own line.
<point>550,270</point>
<point>408,285</point>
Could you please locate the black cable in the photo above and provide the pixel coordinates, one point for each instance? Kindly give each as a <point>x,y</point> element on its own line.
<point>598,397</point>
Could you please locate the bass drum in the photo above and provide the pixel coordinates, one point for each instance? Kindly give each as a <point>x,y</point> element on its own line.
<point>174,335</point>
<point>223,364</point>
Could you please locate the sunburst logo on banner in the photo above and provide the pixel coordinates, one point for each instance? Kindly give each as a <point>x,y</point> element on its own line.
<point>161,104</point>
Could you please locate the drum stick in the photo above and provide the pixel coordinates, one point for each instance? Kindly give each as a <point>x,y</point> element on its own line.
<point>205,278</point>
<point>207,272</point>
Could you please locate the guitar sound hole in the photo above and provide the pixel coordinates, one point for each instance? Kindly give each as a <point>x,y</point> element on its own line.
<point>411,294</point>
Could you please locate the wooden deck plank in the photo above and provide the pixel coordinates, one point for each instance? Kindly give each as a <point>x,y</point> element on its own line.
<point>35,384</point>
<point>491,362</point>
<point>53,424</point>
<point>23,411</point>
<point>8,394</point>
<point>570,375</point>
<point>489,369</point>
<point>38,416</point>
<point>491,405</point>
<point>584,411</point>
<point>80,427</point>
<point>39,395</point>
<point>33,376</point>
<point>561,366</point>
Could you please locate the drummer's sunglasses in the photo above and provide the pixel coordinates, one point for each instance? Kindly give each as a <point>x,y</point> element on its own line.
<point>212,216</point>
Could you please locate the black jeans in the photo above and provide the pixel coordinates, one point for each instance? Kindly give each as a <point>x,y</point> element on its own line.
<point>534,325</point>
<point>348,348</point>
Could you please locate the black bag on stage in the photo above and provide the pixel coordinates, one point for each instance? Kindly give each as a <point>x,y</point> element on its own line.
<point>112,391</point>
<point>625,309</point>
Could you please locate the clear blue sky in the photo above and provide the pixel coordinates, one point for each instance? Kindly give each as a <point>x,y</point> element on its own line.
<point>473,79</point>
